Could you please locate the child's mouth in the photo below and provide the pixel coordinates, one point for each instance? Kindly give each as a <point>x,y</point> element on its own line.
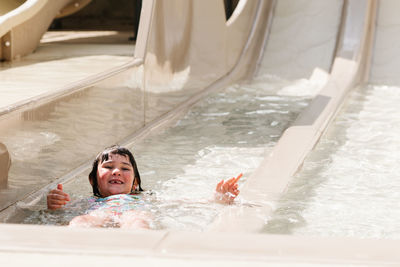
<point>115,182</point>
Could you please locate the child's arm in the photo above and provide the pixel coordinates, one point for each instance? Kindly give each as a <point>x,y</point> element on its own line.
<point>227,191</point>
<point>56,198</point>
<point>132,219</point>
<point>91,220</point>
<point>135,219</point>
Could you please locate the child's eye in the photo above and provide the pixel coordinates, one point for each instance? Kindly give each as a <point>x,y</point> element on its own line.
<point>107,167</point>
<point>126,169</point>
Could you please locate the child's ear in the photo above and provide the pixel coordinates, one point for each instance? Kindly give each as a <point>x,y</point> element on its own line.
<point>91,181</point>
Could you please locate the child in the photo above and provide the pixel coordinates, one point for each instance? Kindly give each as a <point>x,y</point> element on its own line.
<point>116,185</point>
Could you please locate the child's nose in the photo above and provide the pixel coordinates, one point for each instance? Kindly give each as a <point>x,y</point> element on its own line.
<point>116,171</point>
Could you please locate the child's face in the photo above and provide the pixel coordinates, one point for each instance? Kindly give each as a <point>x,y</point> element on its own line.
<point>115,175</point>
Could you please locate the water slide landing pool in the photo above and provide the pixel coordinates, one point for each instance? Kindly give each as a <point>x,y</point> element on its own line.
<point>337,61</point>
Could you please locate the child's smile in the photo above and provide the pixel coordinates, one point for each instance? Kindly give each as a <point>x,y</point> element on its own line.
<point>115,181</point>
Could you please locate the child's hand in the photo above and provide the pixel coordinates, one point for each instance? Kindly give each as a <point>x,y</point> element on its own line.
<point>56,198</point>
<point>226,192</point>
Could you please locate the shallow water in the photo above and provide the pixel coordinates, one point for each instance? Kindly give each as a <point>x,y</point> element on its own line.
<point>225,134</point>
<point>349,185</point>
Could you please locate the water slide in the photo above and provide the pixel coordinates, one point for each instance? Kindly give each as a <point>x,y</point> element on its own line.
<point>18,36</point>
<point>170,58</point>
<point>350,68</point>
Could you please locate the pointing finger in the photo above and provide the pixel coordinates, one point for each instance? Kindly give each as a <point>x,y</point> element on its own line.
<point>238,177</point>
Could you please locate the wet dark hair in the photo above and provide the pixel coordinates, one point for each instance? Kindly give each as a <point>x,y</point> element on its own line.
<point>103,156</point>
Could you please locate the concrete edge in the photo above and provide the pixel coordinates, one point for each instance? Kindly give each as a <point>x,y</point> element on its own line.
<point>67,89</point>
<point>191,245</point>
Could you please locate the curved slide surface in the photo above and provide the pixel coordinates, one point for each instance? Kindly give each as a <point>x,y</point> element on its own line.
<point>18,36</point>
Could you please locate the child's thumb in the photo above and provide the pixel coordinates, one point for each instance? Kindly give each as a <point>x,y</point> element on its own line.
<point>60,187</point>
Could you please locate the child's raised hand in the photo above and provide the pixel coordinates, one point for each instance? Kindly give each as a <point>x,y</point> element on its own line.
<point>56,198</point>
<point>227,191</point>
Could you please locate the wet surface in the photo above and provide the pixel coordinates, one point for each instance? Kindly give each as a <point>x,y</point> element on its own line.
<point>227,133</point>
<point>349,184</point>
